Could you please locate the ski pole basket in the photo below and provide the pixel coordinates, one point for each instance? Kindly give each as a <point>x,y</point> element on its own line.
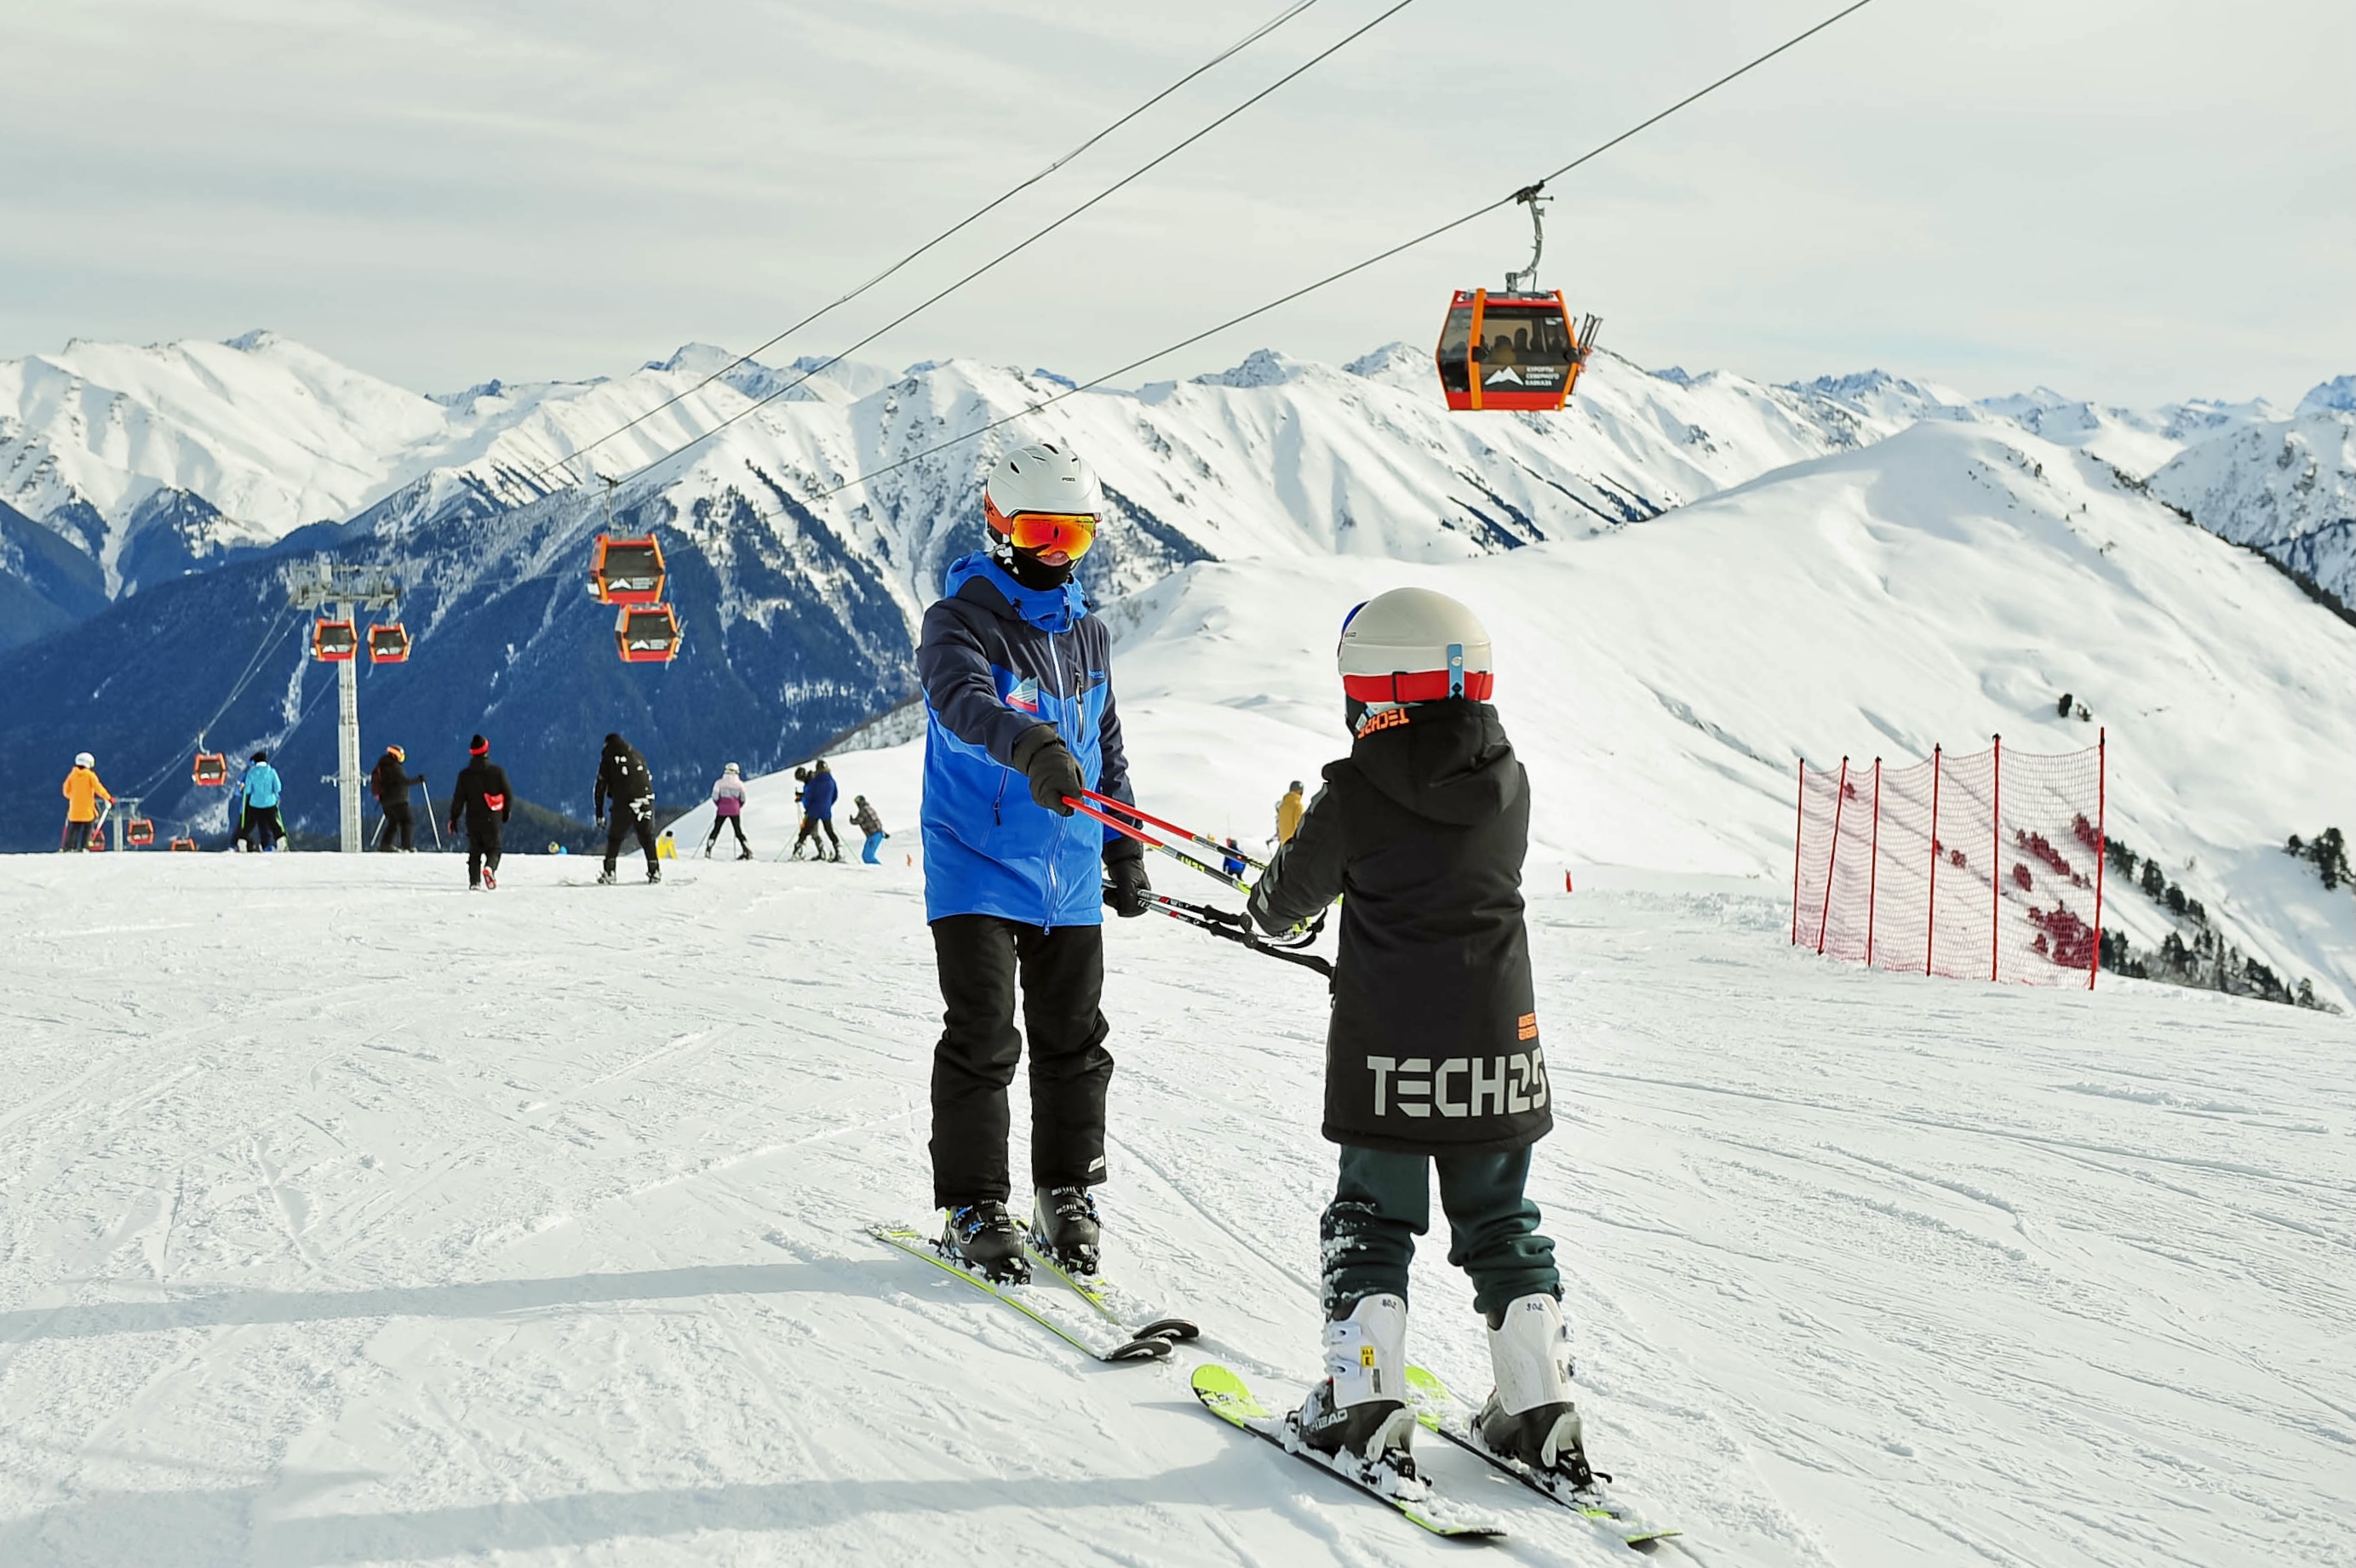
<point>388,644</point>
<point>334,642</point>
<point>646,634</point>
<point>212,768</point>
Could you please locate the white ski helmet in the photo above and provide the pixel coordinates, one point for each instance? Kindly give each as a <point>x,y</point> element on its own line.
<point>84,760</point>
<point>1413,645</point>
<point>730,769</point>
<point>1043,478</point>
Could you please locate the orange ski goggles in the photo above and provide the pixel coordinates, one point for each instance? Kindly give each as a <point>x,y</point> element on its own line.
<point>1041,532</point>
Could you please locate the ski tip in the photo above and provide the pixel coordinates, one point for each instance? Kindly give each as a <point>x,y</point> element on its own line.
<point>1177,1330</point>
<point>1144,1347</point>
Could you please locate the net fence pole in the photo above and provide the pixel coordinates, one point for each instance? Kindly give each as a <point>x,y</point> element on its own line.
<point>1996,863</point>
<point>1832,858</point>
<point>2101,841</point>
<point>1873,865</point>
<point>1930,936</point>
<point>1799,827</point>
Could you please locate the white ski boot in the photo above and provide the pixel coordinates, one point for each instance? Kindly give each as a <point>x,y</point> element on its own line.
<point>1361,1407</point>
<point>1529,1415</point>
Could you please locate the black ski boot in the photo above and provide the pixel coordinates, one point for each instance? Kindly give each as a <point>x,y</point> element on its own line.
<point>1545,1438</point>
<point>605,878</point>
<point>654,874</point>
<point>983,1237</point>
<point>1063,1226</point>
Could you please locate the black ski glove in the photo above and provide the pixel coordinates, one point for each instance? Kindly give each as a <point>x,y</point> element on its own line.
<point>1046,762</point>
<point>1127,892</point>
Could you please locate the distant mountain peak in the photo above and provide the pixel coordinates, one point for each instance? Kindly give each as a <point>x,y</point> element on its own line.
<point>2336,396</point>
<point>249,341</point>
<point>1261,367</point>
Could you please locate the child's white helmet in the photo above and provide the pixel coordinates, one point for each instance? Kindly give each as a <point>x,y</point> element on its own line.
<point>1042,477</point>
<point>1414,645</point>
<point>84,760</point>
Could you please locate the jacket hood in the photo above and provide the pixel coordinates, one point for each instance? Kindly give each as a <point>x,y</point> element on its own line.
<point>1449,762</point>
<point>982,579</point>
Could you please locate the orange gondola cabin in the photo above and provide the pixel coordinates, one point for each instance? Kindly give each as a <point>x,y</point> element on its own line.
<point>334,642</point>
<point>139,832</point>
<point>627,571</point>
<point>1501,350</point>
<point>1513,347</point>
<point>212,768</point>
<point>646,634</point>
<point>388,644</point>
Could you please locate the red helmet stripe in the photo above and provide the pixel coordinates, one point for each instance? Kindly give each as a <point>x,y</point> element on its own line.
<point>1416,686</point>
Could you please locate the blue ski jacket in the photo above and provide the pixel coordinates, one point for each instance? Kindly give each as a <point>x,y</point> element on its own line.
<point>262,787</point>
<point>996,659</point>
<point>818,796</point>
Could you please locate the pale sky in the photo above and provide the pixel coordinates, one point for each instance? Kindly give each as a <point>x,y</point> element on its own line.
<point>2134,200</point>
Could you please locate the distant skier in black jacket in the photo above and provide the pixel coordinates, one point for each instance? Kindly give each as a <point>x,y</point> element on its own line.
<point>390,782</point>
<point>1432,1055</point>
<point>624,780</point>
<point>483,801</point>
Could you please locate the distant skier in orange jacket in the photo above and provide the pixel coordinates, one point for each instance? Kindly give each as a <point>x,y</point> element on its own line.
<point>83,791</point>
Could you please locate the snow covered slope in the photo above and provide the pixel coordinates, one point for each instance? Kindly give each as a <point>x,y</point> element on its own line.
<point>350,1217</point>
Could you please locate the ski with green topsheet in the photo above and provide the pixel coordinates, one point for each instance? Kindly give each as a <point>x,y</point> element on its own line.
<point>1225,1395</point>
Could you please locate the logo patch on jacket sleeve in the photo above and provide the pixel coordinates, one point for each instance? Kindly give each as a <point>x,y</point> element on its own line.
<point>1530,1027</point>
<point>1025,697</point>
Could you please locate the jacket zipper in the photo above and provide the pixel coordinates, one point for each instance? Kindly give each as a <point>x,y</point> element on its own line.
<point>1054,889</point>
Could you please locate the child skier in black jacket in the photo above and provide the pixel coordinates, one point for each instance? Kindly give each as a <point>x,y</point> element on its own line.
<point>1432,1055</point>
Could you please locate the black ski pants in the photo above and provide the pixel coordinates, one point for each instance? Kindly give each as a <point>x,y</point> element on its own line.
<point>482,850</point>
<point>735,822</point>
<point>1383,1203</point>
<point>77,835</point>
<point>1062,972</point>
<point>400,826</point>
<point>263,827</point>
<point>624,821</point>
<point>810,825</point>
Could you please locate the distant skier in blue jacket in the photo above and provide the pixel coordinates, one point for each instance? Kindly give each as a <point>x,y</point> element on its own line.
<point>1019,717</point>
<point>820,792</point>
<point>263,827</point>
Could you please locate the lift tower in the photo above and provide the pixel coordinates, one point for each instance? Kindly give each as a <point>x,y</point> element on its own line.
<point>347,589</point>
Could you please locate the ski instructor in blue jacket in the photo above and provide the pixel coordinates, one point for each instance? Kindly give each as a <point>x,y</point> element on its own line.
<point>1019,717</point>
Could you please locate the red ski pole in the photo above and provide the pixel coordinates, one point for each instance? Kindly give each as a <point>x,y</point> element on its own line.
<point>1085,809</point>
<point>1186,833</point>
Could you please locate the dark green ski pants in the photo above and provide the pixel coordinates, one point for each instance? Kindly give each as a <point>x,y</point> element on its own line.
<point>1384,1202</point>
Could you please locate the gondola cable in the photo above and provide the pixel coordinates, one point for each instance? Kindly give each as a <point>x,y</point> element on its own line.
<point>277,628</point>
<point>1331,277</point>
<point>1027,243</point>
<point>1255,36</point>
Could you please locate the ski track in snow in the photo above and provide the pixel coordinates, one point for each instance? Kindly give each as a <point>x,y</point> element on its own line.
<point>346,1218</point>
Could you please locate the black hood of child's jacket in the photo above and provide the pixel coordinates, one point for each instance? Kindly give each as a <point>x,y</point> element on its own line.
<point>1452,765</point>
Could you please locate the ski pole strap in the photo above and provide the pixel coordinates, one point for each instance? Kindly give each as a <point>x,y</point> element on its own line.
<point>1203,840</point>
<point>1238,929</point>
<point>1085,809</point>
